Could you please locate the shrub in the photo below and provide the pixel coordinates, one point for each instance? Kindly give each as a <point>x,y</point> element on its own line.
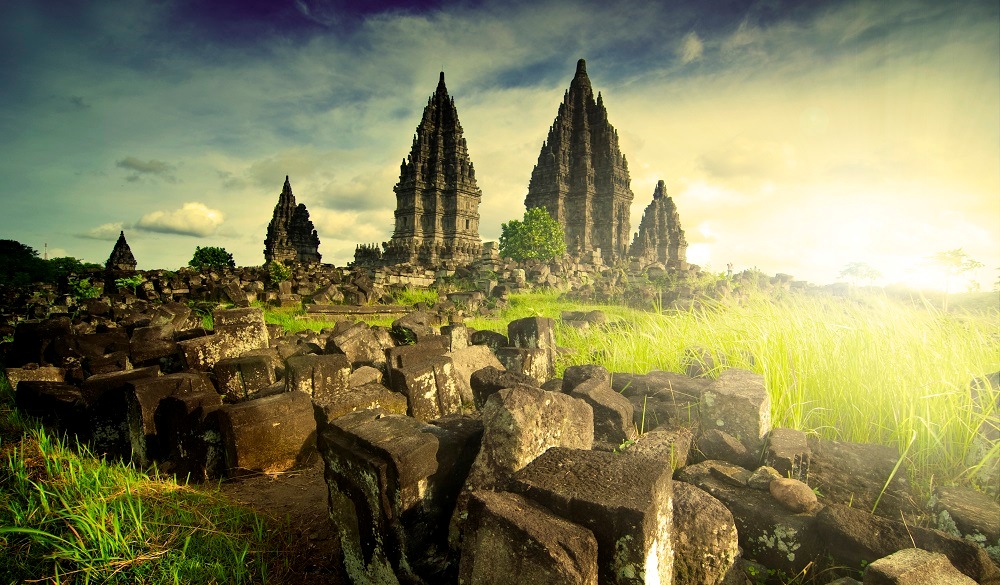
<point>278,272</point>
<point>538,236</point>
<point>211,257</point>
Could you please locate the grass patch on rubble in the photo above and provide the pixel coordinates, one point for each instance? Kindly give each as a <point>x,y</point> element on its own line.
<point>69,517</point>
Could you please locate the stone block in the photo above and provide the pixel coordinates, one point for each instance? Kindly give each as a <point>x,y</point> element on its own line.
<point>490,339</point>
<point>149,344</point>
<point>535,333</point>
<point>856,473</point>
<point>721,446</point>
<point>188,446</point>
<point>372,396</point>
<point>360,346</point>
<point>407,355</point>
<point>913,566</point>
<point>510,540</point>
<point>662,398</point>
<point>392,482</point>
<point>788,452</point>
<point>143,396</point>
<point>768,533</point>
<point>59,406</point>
<point>431,388</point>
<point>271,434</point>
<point>322,377</point>
<point>533,363</point>
<point>32,341</point>
<point>854,536</point>
<point>365,375</point>
<point>669,446</point>
<point>42,374</point>
<point>972,512</point>
<point>738,403</point>
<point>202,353</point>
<point>414,327</point>
<point>241,378</point>
<point>244,329</point>
<point>467,361</point>
<point>488,380</point>
<point>705,541</point>
<point>612,412</point>
<point>626,501</point>
<point>112,362</point>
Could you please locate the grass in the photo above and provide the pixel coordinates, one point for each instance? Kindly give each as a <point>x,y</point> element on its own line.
<point>69,517</point>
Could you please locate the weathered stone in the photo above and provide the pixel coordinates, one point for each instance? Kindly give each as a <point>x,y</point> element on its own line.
<point>768,533</point>
<point>738,403</point>
<point>457,336</point>
<point>793,494</point>
<point>244,329</point>
<point>365,375</point>
<point>533,363</point>
<point>242,377</point>
<point>535,333</point>
<point>660,238</point>
<point>699,362</point>
<point>415,327</point>
<point>270,434</point>
<point>510,540</point>
<point>612,411</point>
<point>431,388</point>
<point>290,235</point>
<point>705,542</point>
<point>408,355</point>
<point>662,398</point>
<point>32,341</point>
<point>467,361</point>
<point>670,446</point>
<point>392,482</point>
<point>181,433</point>
<point>856,473</point>
<point>853,536</point>
<point>490,379</point>
<point>202,353</point>
<point>973,513</point>
<point>143,396</point>
<point>371,396</point>
<point>149,344</point>
<point>913,566</point>
<point>323,377</point>
<point>60,406</point>
<point>113,362</point>
<point>721,446</point>
<point>581,176</point>
<point>626,501</point>
<point>437,199</point>
<point>788,452</point>
<point>360,346</point>
<point>490,339</point>
<point>42,374</point>
<point>762,477</point>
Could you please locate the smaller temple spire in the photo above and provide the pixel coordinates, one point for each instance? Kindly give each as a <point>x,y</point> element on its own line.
<point>121,256</point>
<point>661,190</point>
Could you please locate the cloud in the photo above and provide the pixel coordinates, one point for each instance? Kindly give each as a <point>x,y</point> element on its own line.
<point>107,231</point>
<point>152,167</point>
<point>691,48</point>
<point>193,219</point>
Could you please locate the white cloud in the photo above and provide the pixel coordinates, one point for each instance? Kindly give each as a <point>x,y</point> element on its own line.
<point>193,219</point>
<point>107,231</point>
<point>691,48</point>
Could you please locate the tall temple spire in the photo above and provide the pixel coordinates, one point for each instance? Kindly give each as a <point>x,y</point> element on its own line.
<point>581,176</point>
<point>121,256</point>
<point>290,235</point>
<point>660,239</point>
<point>437,198</point>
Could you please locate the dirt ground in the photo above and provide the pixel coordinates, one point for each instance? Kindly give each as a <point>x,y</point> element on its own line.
<point>297,500</point>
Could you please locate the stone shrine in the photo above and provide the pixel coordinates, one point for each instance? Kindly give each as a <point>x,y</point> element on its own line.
<point>291,235</point>
<point>660,239</point>
<point>581,177</point>
<point>437,199</point>
<point>121,258</point>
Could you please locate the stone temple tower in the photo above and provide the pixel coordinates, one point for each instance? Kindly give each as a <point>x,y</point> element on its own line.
<point>121,258</point>
<point>660,239</point>
<point>291,235</point>
<point>437,199</point>
<point>581,177</point>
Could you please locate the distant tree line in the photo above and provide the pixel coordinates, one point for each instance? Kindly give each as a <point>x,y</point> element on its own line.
<point>20,265</point>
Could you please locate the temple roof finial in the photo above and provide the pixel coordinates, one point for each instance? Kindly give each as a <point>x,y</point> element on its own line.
<point>581,67</point>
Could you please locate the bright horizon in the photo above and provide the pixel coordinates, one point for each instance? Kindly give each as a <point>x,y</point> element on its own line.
<point>796,139</point>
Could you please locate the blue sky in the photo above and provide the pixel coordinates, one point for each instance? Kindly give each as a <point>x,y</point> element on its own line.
<point>795,137</point>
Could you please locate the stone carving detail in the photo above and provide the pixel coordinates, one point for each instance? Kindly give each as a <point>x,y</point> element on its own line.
<point>660,239</point>
<point>291,235</point>
<point>121,256</point>
<point>437,199</point>
<point>582,177</point>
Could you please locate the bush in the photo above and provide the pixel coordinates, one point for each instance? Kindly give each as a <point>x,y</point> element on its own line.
<point>278,272</point>
<point>211,257</point>
<point>538,236</point>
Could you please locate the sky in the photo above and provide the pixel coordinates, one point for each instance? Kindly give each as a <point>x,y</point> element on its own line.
<point>794,136</point>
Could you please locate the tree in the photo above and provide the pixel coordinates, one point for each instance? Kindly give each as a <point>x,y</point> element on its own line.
<point>211,257</point>
<point>955,263</point>
<point>20,264</point>
<point>66,265</point>
<point>859,271</point>
<point>538,236</point>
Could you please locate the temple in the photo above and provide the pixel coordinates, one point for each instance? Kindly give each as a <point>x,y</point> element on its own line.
<point>291,236</point>
<point>581,177</point>
<point>121,258</point>
<point>437,199</point>
<point>660,239</point>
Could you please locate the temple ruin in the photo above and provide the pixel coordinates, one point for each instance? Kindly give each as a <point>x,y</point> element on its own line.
<point>437,199</point>
<point>121,258</point>
<point>581,177</point>
<point>291,236</point>
<point>660,239</point>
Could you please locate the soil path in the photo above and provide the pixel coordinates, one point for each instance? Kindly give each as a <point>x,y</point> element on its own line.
<point>297,501</point>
